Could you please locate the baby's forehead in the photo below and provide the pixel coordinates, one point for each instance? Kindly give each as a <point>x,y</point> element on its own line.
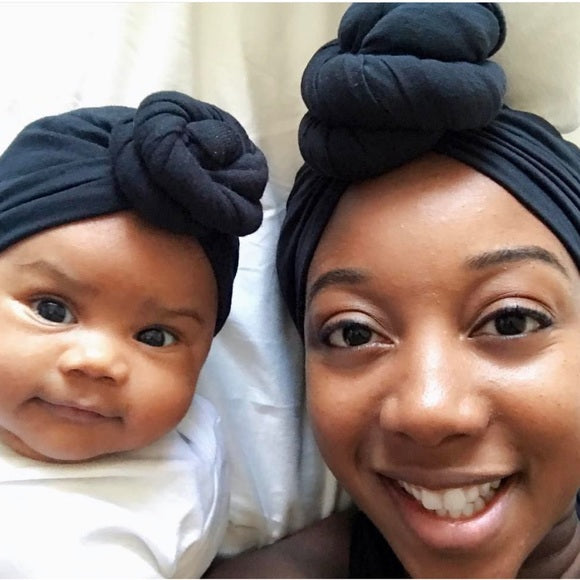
<point>112,243</point>
<point>118,265</point>
<point>184,165</point>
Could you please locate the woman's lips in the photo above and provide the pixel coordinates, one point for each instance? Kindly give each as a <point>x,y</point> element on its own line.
<point>443,528</point>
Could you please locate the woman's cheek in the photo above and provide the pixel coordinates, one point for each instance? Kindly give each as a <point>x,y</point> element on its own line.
<point>336,414</point>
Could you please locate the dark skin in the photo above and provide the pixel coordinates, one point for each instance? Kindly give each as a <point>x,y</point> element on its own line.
<point>319,551</point>
<point>425,317</point>
<point>444,395</point>
<point>322,551</point>
<point>559,551</point>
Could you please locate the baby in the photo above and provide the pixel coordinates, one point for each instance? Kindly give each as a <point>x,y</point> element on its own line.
<point>118,249</point>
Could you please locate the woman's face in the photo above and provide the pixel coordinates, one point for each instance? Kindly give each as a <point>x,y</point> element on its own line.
<point>443,365</point>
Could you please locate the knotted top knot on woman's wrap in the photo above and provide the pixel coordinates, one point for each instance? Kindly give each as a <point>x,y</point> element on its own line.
<point>404,79</point>
<point>394,80</point>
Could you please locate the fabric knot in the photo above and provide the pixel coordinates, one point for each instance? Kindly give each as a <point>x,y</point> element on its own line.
<point>181,164</point>
<point>189,166</point>
<point>401,80</point>
<point>394,80</point>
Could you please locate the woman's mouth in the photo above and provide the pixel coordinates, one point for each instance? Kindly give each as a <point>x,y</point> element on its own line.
<point>453,518</point>
<point>455,502</point>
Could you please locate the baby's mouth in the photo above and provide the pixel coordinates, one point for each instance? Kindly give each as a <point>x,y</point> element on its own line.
<point>455,502</point>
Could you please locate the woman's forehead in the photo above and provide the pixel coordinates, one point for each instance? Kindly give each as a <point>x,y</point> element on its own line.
<point>435,207</point>
<point>422,182</point>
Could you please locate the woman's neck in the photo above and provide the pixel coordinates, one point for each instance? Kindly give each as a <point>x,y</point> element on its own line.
<point>558,554</point>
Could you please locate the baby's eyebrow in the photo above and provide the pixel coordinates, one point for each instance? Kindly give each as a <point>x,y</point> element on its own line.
<point>335,277</point>
<point>516,254</point>
<point>152,305</point>
<point>46,268</point>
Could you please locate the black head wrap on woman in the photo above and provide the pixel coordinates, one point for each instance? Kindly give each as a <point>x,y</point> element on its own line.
<point>404,79</point>
<point>181,164</point>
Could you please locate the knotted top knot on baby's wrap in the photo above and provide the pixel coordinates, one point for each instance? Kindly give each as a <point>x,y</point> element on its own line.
<point>181,164</point>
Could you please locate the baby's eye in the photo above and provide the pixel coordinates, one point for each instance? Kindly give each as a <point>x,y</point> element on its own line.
<point>157,337</point>
<point>514,321</point>
<point>53,310</point>
<point>349,334</point>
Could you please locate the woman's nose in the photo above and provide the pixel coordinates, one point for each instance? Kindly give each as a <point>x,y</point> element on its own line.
<point>434,396</point>
<point>96,355</point>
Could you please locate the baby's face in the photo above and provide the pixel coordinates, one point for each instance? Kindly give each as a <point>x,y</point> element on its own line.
<point>106,324</point>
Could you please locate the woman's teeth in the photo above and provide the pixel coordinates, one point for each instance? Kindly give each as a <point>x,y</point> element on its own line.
<point>456,502</point>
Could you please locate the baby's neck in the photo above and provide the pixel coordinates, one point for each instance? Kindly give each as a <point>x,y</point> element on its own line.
<point>558,555</point>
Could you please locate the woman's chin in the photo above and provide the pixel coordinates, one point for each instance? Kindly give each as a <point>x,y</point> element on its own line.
<point>460,567</point>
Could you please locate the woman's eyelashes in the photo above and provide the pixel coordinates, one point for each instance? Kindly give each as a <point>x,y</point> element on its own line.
<point>348,333</point>
<point>513,321</point>
<point>53,310</point>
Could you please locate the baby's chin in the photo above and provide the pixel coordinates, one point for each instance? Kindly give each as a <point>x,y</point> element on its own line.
<point>51,451</point>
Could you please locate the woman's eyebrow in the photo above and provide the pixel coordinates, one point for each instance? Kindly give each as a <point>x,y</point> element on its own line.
<point>335,277</point>
<point>517,254</point>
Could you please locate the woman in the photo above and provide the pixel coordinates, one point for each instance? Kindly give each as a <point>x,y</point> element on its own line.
<point>429,259</point>
<point>441,335</point>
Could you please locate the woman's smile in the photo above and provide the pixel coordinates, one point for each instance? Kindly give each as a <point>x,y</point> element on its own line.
<point>454,502</point>
<point>458,518</point>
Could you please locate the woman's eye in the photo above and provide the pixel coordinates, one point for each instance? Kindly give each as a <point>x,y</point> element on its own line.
<point>348,335</point>
<point>53,310</point>
<point>156,337</point>
<point>514,321</point>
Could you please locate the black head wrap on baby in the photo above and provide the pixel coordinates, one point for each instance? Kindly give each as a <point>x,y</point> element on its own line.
<point>404,79</point>
<point>181,164</point>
